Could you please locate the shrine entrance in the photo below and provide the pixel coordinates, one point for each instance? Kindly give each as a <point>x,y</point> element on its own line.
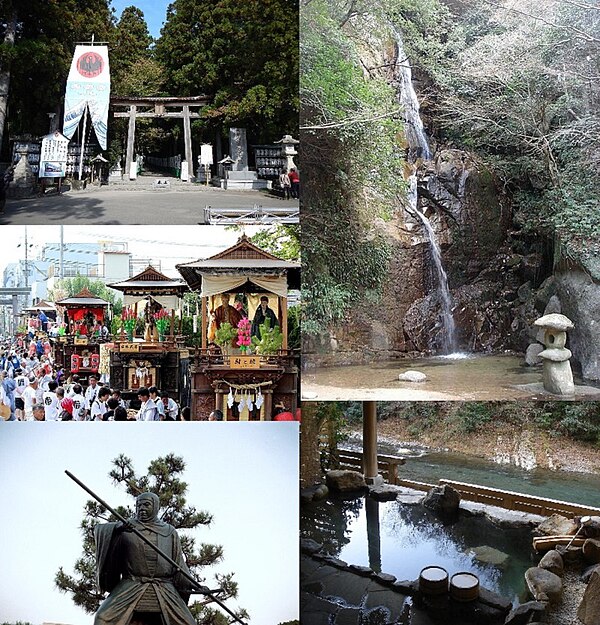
<point>161,108</point>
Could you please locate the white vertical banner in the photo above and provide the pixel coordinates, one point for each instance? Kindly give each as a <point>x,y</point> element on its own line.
<point>88,86</point>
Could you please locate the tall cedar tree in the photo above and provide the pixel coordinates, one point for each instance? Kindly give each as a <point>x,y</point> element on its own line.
<point>244,54</point>
<point>34,69</point>
<point>163,477</point>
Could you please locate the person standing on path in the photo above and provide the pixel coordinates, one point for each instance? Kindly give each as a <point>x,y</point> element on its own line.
<point>295,182</point>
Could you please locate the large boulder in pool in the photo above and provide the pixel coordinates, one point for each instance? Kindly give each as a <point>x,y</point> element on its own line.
<point>488,555</point>
<point>346,480</point>
<point>443,500</point>
<point>543,585</point>
<point>589,608</point>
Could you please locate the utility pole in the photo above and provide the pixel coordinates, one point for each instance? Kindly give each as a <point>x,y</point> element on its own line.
<point>26,261</point>
<point>61,271</point>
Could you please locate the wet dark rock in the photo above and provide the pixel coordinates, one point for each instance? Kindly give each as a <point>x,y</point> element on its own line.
<point>589,571</point>
<point>363,571</point>
<point>346,481</point>
<point>331,560</point>
<point>309,546</point>
<point>553,562</point>
<point>523,613</point>
<point>385,578</point>
<point>495,601</point>
<point>408,587</point>
<point>443,500</point>
<point>314,493</point>
<point>543,585</point>
<point>384,492</point>
<point>591,551</point>
<point>589,609</point>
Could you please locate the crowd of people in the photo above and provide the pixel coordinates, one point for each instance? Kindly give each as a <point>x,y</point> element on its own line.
<point>34,388</point>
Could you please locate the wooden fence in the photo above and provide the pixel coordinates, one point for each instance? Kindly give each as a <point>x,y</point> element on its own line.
<point>387,465</point>
<point>509,500</point>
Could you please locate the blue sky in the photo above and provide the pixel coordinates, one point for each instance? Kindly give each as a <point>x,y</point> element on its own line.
<point>155,12</point>
<point>245,474</point>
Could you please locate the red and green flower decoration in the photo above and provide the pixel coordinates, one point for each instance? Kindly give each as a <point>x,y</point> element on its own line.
<point>161,319</point>
<point>243,329</point>
<point>129,319</point>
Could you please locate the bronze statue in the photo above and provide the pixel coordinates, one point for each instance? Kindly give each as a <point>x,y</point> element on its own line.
<point>138,579</point>
<point>141,565</point>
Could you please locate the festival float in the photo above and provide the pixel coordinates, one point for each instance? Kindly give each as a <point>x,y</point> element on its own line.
<point>244,375</point>
<point>29,316</point>
<point>156,355</point>
<point>80,341</point>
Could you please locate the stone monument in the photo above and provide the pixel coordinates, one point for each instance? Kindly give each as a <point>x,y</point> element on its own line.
<point>141,583</point>
<point>558,377</point>
<point>238,148</point>
<point>240,177</point>
<point>24,182</point>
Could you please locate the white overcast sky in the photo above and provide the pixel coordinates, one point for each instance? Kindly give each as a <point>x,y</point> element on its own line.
<point>245,474</point>
<point>170,244</point>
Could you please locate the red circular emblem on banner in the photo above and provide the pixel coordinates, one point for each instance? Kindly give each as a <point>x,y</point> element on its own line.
<point>90,64</point>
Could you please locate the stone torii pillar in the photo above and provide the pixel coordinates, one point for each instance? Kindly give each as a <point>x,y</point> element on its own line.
<point>130,143</point>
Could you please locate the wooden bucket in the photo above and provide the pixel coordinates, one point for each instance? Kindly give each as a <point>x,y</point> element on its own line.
<point>464,586</point>
<point>433,580</point>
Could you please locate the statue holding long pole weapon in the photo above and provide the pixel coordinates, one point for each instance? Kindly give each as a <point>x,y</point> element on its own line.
<point>141,565</point>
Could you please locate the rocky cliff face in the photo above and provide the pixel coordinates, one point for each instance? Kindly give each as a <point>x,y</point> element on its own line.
<point>579,297</point>
<point>500,281</point>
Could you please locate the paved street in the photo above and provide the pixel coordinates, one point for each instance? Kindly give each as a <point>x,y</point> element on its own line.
<point>110,206</point>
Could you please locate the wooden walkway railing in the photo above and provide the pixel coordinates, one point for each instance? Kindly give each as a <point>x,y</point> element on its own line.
<point>509,500</point>
<point>387,465</point>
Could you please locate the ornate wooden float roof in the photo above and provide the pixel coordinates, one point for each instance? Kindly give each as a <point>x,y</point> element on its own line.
<point>84,298</point>
<point>41,305</point>
<point>242,258</point>
<point>150,281</point>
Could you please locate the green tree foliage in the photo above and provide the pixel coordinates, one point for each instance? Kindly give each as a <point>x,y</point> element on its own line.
<point>351,163</point>
<point>164,478</point>
<point>72,286</point>
<point>245,54</point>
<point>40,59</point>
<point>130,44</point>
<point>281,240</point>
<point>516,85</point>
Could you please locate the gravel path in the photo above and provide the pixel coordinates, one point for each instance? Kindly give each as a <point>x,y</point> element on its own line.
<point>566,612</point>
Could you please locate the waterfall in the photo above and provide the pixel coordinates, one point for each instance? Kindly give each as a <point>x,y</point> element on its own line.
<point>446,301</point>
<point>407,97</point>
<point>419,148</point>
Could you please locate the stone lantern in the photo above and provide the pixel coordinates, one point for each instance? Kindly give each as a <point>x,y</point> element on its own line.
<point>558,377</point>
<point>288,150</point>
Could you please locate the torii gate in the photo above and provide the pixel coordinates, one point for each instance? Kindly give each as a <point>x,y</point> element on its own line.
<point>156,107</point>
<point>13,293</point>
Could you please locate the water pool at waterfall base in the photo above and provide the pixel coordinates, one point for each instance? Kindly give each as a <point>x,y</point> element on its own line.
<point>468,377</point>
<point>401,540</point>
